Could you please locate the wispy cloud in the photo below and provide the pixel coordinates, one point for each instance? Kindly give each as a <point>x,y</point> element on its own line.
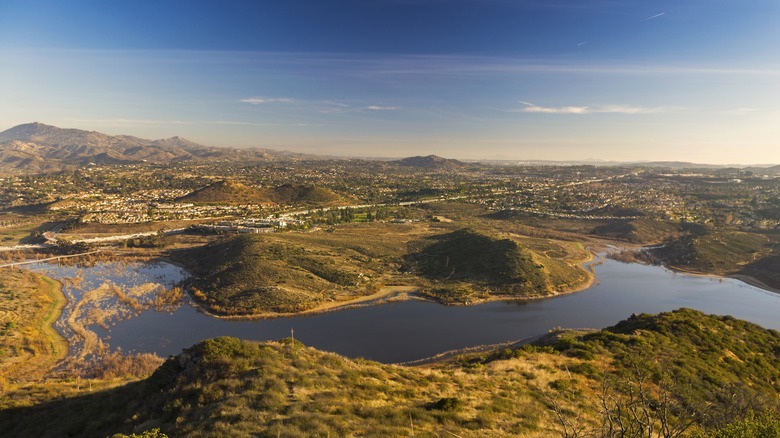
<point>229,122</point>
<point>531,108</point>
<point>743,111</point>
<point>262,100</point>
<point>381,108</point>
<point>579,110</point>
<point>327,106</point>
<point>397,65</point>
<point>655,16</point>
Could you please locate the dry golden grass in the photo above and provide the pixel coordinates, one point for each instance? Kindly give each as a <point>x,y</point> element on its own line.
<point>29,346</point>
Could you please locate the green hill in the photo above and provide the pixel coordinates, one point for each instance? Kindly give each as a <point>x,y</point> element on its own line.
<point>476,258</point>
<point>749,256</point>
<point>249,274</point>
<point>714,366</point>
<point>681,371</point>
<point>716,252</point>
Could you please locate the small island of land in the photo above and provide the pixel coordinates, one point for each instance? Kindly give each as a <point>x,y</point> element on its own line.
<point>262,274</point>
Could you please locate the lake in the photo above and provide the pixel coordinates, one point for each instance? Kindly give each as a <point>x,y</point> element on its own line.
<point>409,330</point>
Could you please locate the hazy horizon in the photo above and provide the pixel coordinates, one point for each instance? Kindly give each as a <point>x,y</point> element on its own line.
<point>557,80</point>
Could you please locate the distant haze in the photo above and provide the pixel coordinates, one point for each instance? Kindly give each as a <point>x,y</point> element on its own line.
<point>694,81</point>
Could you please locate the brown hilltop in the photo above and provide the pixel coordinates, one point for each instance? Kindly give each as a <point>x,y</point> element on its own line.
<point>228,192</point>
<point>232,192</point>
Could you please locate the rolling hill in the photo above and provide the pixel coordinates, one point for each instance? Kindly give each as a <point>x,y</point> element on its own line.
<point>252,274</point>
<point>752,257</point>
<point>227,192</point>
<point>715,252</point>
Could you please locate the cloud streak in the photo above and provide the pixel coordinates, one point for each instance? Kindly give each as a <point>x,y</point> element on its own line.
<point>400,65</point>
<point>262,100</point>
<point>322,106</point>
<point>581,110</point>
<point>381,108</point>
<point>655,16</point>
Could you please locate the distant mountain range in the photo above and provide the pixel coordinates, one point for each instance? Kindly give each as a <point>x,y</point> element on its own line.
<point>677,165</point>
<point>35,147</point>
<point>40,148</point>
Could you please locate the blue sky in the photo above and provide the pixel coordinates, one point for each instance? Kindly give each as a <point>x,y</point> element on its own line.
<point>694,80</point>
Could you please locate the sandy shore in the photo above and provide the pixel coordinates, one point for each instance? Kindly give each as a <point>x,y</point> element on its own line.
<point>387,294</point>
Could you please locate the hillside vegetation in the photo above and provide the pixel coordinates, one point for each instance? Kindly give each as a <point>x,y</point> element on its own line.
<point>248,274</point>
<point>291,272</point>
<point>640,230</point>
<point>724,252</point>
<point>720,252</point>
<point>643,230</point>
<point>672,374</point>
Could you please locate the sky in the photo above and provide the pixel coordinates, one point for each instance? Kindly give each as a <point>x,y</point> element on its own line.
<point>626,80</point>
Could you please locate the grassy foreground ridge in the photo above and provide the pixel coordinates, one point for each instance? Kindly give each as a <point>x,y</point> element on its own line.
<point>674,370</point>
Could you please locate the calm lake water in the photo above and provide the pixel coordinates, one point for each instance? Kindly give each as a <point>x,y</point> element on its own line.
<point>410,330</point>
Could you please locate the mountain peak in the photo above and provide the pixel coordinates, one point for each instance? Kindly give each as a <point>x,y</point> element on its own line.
<point>178,142</point>
<point>21,132</point>
<point>431,161</point>
<point>38,147</point>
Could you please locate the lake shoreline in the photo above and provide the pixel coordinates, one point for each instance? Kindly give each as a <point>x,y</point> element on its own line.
<point>747,279</point>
